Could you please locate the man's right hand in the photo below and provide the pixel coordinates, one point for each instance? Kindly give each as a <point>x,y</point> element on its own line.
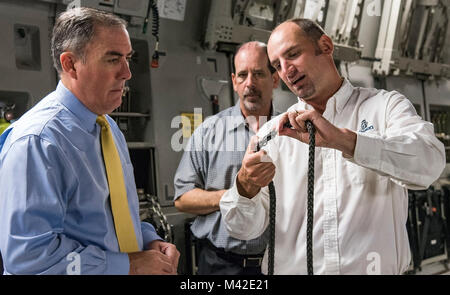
<point>150,262</point>
<point>254,173</point>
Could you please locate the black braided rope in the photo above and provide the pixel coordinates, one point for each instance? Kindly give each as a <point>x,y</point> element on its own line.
<point>310,208</point>
<point>272,211</point>
<point>272,214</point>
<point>310,201</point>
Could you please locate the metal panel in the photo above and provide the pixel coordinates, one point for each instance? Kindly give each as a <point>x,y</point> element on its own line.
<point>34,83</point>
<point>131,7</point>
<point>386,37</point>
<point>416,44</point>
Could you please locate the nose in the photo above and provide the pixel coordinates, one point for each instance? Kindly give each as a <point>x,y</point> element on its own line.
<point>250,81</point>
<point>287,70</point>
<point>125,72</point>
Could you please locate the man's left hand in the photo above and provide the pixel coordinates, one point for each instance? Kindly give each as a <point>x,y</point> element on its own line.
<point>327,135</point>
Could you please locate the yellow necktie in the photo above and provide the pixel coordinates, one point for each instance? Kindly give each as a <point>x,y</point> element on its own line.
<point>117,192</point>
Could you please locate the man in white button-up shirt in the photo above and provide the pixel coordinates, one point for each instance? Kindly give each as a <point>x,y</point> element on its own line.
<point>371,148</point>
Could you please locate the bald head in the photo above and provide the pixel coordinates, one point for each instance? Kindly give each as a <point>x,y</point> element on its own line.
<point>256,47</point>
<point>308,29</point>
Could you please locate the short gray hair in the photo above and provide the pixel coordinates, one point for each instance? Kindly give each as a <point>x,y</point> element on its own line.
<point>74,29</point>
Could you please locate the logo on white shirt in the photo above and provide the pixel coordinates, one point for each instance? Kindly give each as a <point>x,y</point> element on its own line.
<point>365,127</point>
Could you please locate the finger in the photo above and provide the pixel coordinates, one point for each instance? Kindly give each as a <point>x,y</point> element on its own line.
<point>167,249</point>
<point>265,158</point>
<point>172,252</point>
<point>299,118</point>
<point>295,124</point>
<point>289,132</point>
<point>167,270</point>
<point>175,263</point>
<point>270,175</point>
<point>264,175</point>
<point>259,172</point>
<point>157,245</point>
<point>166,265</point>
<point>251,148</point>
<point>263,166</point>
<point>314,117</point>
<point>264,179</point>
<point>301,136</point>
<point>254,158</point>
<point>284,118</point>
<point>267,171</point>
<point>161,263</point>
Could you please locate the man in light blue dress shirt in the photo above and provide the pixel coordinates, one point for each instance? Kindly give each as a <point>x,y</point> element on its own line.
<point>55,212</point>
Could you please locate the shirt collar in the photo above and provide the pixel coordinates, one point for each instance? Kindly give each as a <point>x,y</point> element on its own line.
<point>343,94</point>
<point>74,105</point>
<point>239,117</point>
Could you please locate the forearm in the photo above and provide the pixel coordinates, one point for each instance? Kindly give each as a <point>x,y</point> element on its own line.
<point>346,142</point>
<point>199,201</point>
<point>61,255</point>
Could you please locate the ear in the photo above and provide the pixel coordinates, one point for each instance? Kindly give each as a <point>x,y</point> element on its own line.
<point>326,44</point>
<point>233,79</point>
<point>275,79</point>
<point>68,60</point>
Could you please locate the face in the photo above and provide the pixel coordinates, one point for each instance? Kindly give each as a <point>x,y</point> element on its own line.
<point>253,81</point>
<point>294,57</point>
<point>101,77</point>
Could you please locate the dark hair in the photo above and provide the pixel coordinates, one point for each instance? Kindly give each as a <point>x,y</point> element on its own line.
<point>262,46</point>
<point>311,29</point>
<point>74,29</point>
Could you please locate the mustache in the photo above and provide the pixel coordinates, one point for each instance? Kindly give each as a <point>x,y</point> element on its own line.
<point>252,92</point>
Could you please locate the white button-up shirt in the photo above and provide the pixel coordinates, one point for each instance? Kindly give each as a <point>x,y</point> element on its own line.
<point>360,204</point>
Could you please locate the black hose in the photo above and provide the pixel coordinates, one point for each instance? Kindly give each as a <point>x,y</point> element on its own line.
<point>155,20</point>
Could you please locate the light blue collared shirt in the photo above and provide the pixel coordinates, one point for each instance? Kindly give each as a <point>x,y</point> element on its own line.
<point>54,195</point>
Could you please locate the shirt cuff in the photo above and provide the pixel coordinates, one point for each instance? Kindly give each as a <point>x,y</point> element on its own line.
<point>232,200</point>
<point>244,218</point>
<point>240,201</point>
<point>117,263</point>
<point>148,234</point>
